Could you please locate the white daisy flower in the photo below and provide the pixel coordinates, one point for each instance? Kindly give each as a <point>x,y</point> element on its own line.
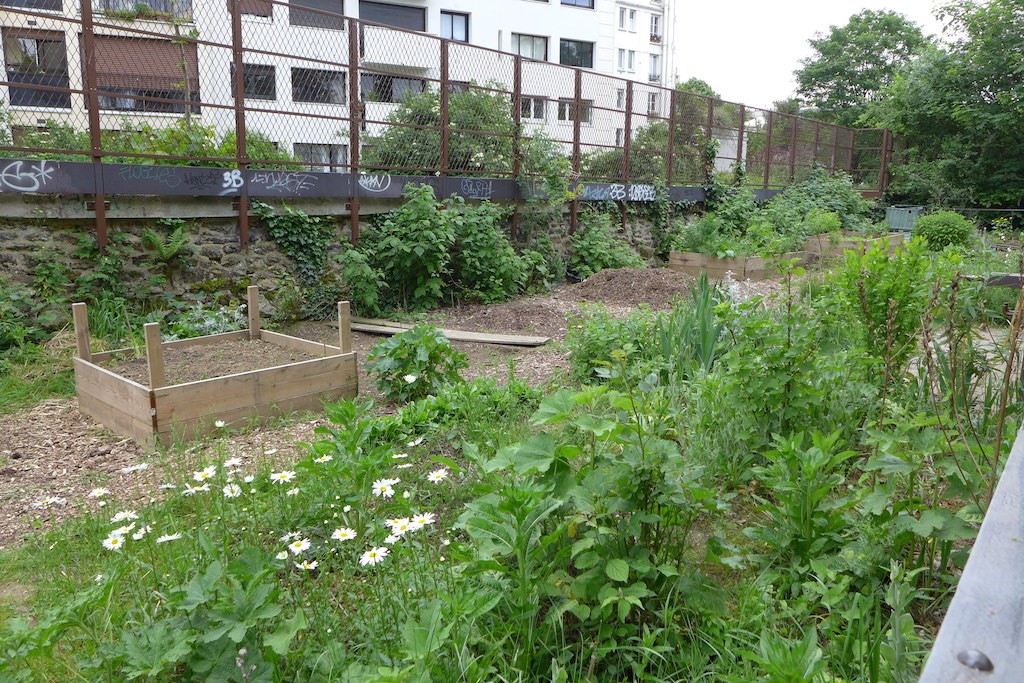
<point>283,555</point>
<point>167,538</point>
<point>293,492</point>
<point>113,542</point>
<point>205,473</point>
<point>374,556</point>
<point>219,424</point>
<point>232,491</point>
<point>343,534</point>
<point>167,487</point>
<point>190,490</point>
<point>248,479</point>
<point>423,519</point>
<point>282,477</point>
<point>47,501</point>
<point>437,476</point>
<point>417,442</point>
<point>399,456</point>
<point>323,458</point>
<point>99,493</point>
<point>233,462</point>
<point>141,533</point>
<point>290,535</point>
<point>299,546</point>
<point>308,565</point>
<point>122,530</point>
<point>124,515</point>
<point>403,528</point>
<point>384,487</point>
<point>409,379</point>
<point>391,539</point>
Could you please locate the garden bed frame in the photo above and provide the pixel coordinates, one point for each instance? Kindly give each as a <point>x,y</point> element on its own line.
<point>823,244</point>
<point>753,268</point>
<point>161,413</point>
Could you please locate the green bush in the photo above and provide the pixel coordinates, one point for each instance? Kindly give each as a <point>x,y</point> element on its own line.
<point>597,248</point>
<point>411,246</point>
<point>596,334</point>
<point>363,283</point>
<point>414,364</point>
<point>821,191</point>
<point>945,229</point>
<point>485,266</point>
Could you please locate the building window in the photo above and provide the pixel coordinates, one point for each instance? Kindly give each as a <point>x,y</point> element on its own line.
<point>532,107</point>
<point>322,158</point>
<point>576,53</point>
<point>257,8</point>
<point>627,60</point>
<point>48,5</point>
<point>299,13</point>
<point>531,47</point>
<point>652,102</point>
<point>36,58</point>
<point>318,85</point>
<point>567,110</point>
<point>260,83</point>
<point>619,136</point>
<point>385,88</point>
<point>142,74</point>
<point>399,16</point>
<point>620,99</point>
<point>455,26</point>
<point>655,74</point>
<point>656,28</point>
<point>627,19</point>
<point>579,3</point>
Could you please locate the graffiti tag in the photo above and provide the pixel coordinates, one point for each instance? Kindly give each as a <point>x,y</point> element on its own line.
<point>22,177</point>
<point>642,193</point>
<point>164,175</point>
<point>376,182</point>
<point>477,189</point>
<point>284,182</point>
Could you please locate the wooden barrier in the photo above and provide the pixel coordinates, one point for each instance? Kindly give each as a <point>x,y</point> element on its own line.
<point>752,268</point>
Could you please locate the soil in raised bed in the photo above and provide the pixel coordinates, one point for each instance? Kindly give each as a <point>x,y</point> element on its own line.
<point>194,363</point>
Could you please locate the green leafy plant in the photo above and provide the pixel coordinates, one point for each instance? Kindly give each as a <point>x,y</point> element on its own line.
<point>413,364</point>
<point>484,264</point>
<point>945,229</point>
<point>303,238</point>
<point>169,250</point>
<point>595,248</point>
<point>364,284</point>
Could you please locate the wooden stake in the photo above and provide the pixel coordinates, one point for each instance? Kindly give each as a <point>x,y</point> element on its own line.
<point>345,326</point>
<point>253,293</point>
<point>155,356</point>
<point>80,315</point>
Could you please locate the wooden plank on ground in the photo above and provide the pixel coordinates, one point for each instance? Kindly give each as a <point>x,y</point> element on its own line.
<point>306,346</point>
<point>390,327</point>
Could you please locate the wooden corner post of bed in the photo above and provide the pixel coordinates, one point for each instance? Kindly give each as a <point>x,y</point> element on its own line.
<point>80,315</point>
<point>344,327</point>
<point>253,293</point>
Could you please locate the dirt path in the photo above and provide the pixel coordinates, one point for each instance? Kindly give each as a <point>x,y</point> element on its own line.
<point>52,450</point>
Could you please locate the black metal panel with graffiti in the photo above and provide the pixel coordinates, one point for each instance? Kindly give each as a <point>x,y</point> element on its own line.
<point>47,177</point>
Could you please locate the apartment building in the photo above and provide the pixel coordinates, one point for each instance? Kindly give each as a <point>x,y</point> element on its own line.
<point>292,79</point>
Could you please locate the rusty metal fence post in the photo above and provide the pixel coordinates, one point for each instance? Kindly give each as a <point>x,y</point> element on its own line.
<point>574,209</point>
<point>883,164</point>
<point>739,137</point>
<point>95,137</point>
<point>792,148</point>
<point>355,116</point>
<point>768,150</point>
<point>627,134</point>
<point>517,137</point>
<point>444,101</point>
<point>670,156</point>
<point>238,91</point>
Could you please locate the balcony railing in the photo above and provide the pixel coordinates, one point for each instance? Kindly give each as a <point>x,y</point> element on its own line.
<point>656,38</point>
<point>147,9</point>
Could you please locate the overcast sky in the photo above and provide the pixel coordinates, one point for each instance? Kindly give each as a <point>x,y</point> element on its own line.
<point>748,49</point>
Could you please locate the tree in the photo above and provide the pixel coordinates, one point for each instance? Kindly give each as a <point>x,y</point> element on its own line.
<point>854,63</point>
<point>963,111</point>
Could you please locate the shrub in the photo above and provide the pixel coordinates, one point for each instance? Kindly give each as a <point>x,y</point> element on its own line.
<point>595,335</point>
<point>415,364</point>
<point>821,191</point>
<point>945,229</point>
<point>412,245</point>
<point>362,281</point>
<point>596,248</point>
<point>484,264</point>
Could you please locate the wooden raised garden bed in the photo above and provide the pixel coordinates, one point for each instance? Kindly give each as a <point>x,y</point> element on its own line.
<point>159,412</point>
<point>826,248</point>
<point>752,268</point>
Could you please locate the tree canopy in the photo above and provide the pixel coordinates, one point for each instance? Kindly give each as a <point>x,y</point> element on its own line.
<point>853,64</point>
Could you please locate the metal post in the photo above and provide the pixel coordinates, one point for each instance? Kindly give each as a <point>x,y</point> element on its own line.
<point>627,134</point>
<point>241,153</point>
<point>355,111</point>
<point>853,144</point>
<point>574,209</point>
<point>739,136</point>
<point>883,168</point>
<point>817,137</point>
<point>835,149</point>
<point>670,157</point>
<point>517,134</point>
<point>768,150</point>
<point>792,150</point>
<point>443,106</point>
<point>95,138</point>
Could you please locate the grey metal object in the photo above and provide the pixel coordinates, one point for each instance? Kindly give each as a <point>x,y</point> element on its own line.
<point>902,217</point>
<point>982,636</point>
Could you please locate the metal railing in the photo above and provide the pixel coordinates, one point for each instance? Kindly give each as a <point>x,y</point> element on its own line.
<point>267,83</point>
